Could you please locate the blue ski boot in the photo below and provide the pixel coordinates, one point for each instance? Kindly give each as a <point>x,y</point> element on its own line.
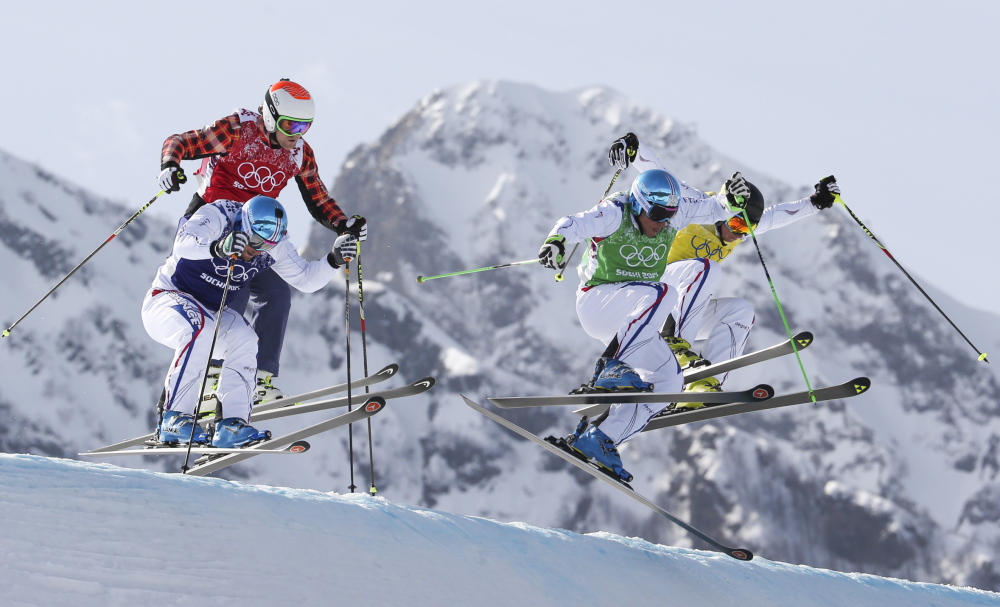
<point>233,432</point>
<point>616,376</point>
<point>612,375</point>
<point>599,447</point>
<point>177,427</point>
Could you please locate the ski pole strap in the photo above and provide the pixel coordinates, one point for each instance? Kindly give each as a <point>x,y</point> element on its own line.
<point>982,355</point>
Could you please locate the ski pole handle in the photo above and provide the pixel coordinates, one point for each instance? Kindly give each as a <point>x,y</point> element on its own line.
<point>562,270</point>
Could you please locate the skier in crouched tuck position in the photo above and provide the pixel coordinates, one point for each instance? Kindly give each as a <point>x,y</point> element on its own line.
<point>721,331</point>
<point>257,153</point>
<point>628,291</point>
<point>234,240</point>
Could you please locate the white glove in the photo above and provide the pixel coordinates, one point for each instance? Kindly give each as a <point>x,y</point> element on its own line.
<point>345,249</point>
<point>623,151</point>
<point>737,186</point>
<point>230,246</point>
<point>172,178</point>
<point>553,252</point>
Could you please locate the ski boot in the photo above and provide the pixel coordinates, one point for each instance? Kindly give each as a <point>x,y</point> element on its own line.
<point>266,391</point>
<point>210,400</point>
<point>709,384</point>
<point>233,432</point>
<point>612,375</point>
<point>686,357</point>
<point>177,427</point>
<point>597,446</point>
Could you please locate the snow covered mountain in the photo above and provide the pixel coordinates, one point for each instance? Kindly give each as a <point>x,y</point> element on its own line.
<point>901,481</point>
<point>61,547</point>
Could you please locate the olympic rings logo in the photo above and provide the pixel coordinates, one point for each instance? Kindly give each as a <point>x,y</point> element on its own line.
<point>241,273</point>
<point>261,177</point>
<point>647,256</point>
<point>705,250</point>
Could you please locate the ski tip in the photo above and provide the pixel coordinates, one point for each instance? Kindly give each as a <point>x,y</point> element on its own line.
<point>861,384</point>
<point>740,554</point>
<point>299,446</point>
<point>427,383</point>
<point>388,370</point>
<point>803,339</point>
<point>374,404</point>
<point>762,392</point>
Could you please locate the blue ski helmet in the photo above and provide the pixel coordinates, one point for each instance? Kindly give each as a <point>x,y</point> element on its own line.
<point>264,221</point>
<point>657,192</point>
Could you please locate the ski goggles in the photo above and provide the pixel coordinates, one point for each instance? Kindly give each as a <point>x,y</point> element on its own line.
<point>291,126</point>
<point>738,225</point>
<point>260,243</point>
<point>660,213</point>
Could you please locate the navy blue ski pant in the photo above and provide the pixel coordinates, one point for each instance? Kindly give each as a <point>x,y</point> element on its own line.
<point>270,299</point>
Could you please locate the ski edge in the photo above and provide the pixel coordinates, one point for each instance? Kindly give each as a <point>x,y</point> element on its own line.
<point>736,553</point>
<point>803,339</point>
<point>378,377</point>
<point>855,387</point>
<point>294,448</point>
<point>757,393</point>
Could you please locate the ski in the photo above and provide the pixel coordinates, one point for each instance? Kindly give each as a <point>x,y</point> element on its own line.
<point>857,386</point>
<point>367,408</point>
<point>415,388</point>
<point>737,553</point>
<point>759,392</point>
<point>800,341</point>
<point>296,447</point>
<point>286,401</point>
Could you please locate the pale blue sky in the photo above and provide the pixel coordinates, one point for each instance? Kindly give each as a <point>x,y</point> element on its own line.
<point>897,99</point>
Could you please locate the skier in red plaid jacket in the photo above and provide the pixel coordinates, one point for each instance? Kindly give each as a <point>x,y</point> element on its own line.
<point>249,154</point>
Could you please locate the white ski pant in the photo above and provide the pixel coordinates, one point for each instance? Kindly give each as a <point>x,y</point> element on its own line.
<point>178,321</point>
<point>725,327</point>
<point>634,312</point>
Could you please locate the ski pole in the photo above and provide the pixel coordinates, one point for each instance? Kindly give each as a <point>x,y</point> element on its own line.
<point>347,310</point>
<point>364,357</point>
<point>423,279</point>
<point>982,355</point>
<point>562,270</point>
<point>6,332</point>
<point>781,311</point>
<point>208,364</point>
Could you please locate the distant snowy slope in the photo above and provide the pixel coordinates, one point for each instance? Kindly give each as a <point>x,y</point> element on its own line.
<point>100,536</point>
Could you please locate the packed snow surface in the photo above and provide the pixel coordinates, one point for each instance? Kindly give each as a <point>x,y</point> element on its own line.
<point>100,535</point>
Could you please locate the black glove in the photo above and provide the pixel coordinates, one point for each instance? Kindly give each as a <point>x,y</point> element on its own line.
<point>356,225</point>
<point>345,248</point>
<point>623,151</point>
<point>737,191</point>
<point>553,252</point>
<point>172,177</point>
<point>231,245</point>
<point>826,190</point>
